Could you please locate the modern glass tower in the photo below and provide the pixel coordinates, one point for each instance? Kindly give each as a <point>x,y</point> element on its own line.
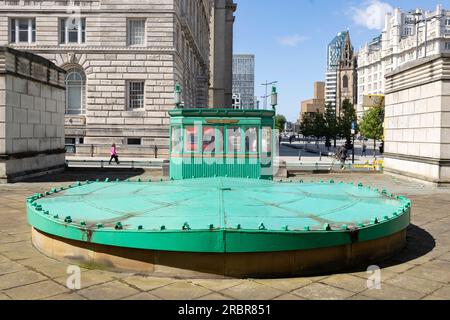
<point>244,80</point>
<point>334,51</point>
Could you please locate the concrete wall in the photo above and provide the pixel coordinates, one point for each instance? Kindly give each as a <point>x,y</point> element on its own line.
<point>418,120</point>
<point>32,102</point>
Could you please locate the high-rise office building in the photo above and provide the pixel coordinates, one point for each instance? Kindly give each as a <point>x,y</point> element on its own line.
<point>244,79</point>
<point>334,51</point>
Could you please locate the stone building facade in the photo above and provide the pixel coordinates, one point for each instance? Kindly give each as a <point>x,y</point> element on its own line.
<point>402,41</point>
<point>417,128</point>
<point>32,103</point>
<point>123,60</point>
<point>221,62</point>
<point>316,104</point>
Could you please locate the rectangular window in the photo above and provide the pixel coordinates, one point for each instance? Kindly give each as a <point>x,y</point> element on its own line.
<point>251,140</point>
<point>134,141</point>
<point>191,139</point>
<point>135,95</point>
<point>72,30</point>
<point>234,139</point>
<point>22,30</point>
<point>447,46</point>
<point>136,32</point>
<point>177,140</point>
<point>447,22</point>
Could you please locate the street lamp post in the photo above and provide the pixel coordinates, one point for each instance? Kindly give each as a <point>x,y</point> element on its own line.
<point>267,84</point>
<point>177,95</point>
<point>274,98</point>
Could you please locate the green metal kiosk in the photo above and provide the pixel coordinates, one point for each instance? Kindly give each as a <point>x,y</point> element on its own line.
<point>206,143</point>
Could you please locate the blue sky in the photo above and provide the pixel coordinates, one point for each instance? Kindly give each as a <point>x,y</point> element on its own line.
<point>289,39</point>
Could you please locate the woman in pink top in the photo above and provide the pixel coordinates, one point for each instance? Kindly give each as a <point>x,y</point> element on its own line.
<point>114,154</point>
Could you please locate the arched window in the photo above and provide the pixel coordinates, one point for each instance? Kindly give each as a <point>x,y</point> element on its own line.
<point>345,82</point>
<point>75,91</point>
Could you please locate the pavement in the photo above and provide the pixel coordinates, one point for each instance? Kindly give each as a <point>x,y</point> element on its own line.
<point>420,271</point>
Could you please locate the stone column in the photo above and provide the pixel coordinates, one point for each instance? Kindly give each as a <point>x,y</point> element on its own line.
<point>417,127</point>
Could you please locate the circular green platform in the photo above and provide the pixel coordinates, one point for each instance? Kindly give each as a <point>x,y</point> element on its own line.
<point>219,215</point>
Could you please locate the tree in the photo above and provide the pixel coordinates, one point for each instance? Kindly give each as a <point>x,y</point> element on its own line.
<point>307,125</point>
<point>371,126</point>
<point>319,127</point>
<point>331,125</point>
<point>280,122</point>
<point>348,116</point>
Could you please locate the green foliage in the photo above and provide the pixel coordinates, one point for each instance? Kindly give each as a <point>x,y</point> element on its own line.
<point>280,122</point>
<point>371,125</point>
<point>348,115</point>
<point>331,124</point>
<point>313,125</point>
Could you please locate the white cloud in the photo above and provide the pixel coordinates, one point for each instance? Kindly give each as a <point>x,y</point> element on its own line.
<point>371,14</point>
<point>292,40</point>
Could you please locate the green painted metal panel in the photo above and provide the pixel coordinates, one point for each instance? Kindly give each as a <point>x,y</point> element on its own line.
<point>218,215</point>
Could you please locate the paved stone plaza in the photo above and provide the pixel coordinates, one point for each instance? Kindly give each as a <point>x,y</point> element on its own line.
<point>421,271</point>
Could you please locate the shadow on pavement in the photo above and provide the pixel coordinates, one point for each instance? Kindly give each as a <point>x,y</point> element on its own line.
<point>82,174</point>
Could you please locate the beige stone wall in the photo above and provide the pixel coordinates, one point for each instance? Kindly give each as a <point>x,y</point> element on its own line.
<point>417,127</point>
<point>32,102</point>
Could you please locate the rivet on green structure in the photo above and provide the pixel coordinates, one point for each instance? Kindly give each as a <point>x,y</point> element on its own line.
<point>46,213</point>
<point>56,216</point>
<point>360,185</point>
<point>327,227</point>
<point>360,225</point>
<point>374,221</point>
<point>163,228</point>
<point>139,180</point>
<point>262,226</point>
<point>332,181</point>
<point>78,183</point>
<point>161,180</point>
<point>285,228</point>
<point>386,218</point>
<point>186,226</point>
<point>83,223</point>
<point>97,180</point>
<point>107,180</point>
<point>211,227</point>
<point>53,190</point>
<point>239,227</point>
<point>150,180</point>
<point>301,181</point>
<point>307,228</point>
<point>141,228</point>
<point>68,219</point>
<point>99,226</point>
<point>118,226</point>
<point>39,208</point>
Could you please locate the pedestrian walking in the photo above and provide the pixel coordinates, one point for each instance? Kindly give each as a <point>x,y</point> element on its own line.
<point>114,154</point>
<point>342,156</point>
<point>364,150</point>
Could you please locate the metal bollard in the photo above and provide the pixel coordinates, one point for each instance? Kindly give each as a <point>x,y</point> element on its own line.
<point>101,164</point>
<point>300,156</point>
<point>320,153</point>
<point>156,152</point>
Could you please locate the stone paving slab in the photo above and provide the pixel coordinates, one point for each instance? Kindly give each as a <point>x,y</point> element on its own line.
<point>36,291</point>
<point>108,291</point>
<point>420,271</point>
<point>320,291</point>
